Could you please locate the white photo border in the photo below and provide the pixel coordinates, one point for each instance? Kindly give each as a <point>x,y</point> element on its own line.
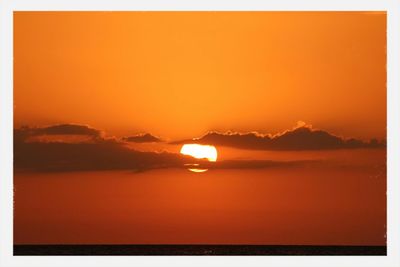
<point>392,7</point>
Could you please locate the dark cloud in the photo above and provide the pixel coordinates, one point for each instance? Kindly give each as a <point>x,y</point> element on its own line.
<point>106,155</point>
<point>64,129</point>
<point>111,155</point>
<point>142,138</point>
<point>60,129</point>
<point>300,138</point>
<point>99,153</point>
<point>102,153</point>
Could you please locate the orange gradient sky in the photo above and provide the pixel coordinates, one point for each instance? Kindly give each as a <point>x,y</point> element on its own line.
<point>180,74</point>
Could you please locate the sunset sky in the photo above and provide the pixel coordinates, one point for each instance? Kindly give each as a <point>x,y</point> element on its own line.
<point>288,112</point>
<point>181,74</point>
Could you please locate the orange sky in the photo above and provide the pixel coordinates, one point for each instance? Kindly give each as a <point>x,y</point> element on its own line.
<point>180,74</point>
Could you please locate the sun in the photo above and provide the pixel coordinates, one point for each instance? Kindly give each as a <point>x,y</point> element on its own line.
<point>200,151</point>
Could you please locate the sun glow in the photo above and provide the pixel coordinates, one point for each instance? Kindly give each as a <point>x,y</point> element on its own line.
<point>200,151</point>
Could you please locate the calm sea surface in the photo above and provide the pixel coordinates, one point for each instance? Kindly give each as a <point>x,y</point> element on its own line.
<point>339,200</point>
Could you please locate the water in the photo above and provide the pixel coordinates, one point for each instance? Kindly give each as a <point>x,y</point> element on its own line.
<point>340,200</point>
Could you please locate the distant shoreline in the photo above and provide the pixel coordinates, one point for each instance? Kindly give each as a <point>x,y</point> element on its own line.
<point>148,250</point>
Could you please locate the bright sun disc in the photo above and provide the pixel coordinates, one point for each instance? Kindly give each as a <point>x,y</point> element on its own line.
<point>200,151</point>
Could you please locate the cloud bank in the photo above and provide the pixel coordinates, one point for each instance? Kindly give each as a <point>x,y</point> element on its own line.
<point>302,137</point>
<point>36,149</point>
<point>94,153</point>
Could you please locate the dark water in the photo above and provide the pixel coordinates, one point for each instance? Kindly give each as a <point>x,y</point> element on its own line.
<point>195,250</point>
